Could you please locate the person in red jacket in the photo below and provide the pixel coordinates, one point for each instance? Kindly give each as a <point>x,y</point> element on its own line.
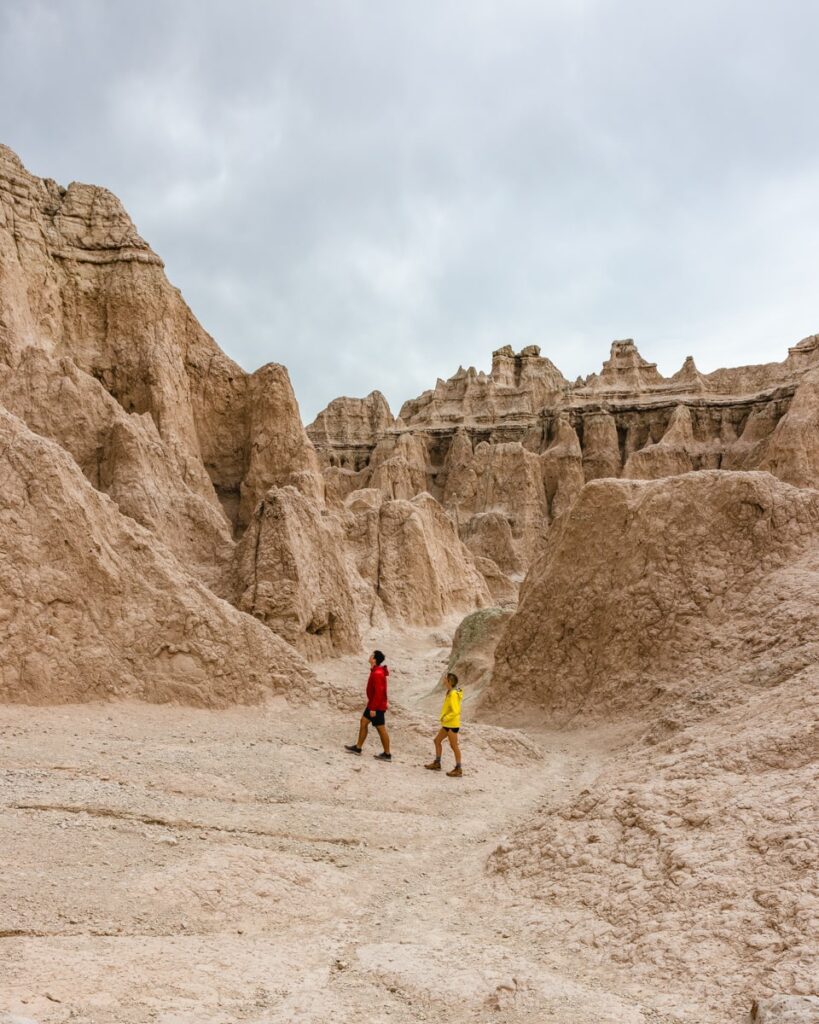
<point>375,710</point>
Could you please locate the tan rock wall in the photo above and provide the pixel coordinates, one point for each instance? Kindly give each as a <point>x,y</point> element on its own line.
<point>94,606</point>
<point>649,591</point>
<point>292,574</point>
<point>120,454</point>
<point>627,421</point>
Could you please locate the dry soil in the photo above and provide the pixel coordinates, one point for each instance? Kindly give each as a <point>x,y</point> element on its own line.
<point>176,865</point>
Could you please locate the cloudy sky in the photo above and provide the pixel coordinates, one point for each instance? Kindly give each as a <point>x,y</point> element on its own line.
<point>375,192</point>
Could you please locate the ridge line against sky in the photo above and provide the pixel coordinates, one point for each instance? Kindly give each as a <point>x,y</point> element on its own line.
<point>374,195</point>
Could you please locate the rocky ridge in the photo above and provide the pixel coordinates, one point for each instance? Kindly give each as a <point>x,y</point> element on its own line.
<point>100,354</point>
<point>521,441</point>
<point>362,518</point>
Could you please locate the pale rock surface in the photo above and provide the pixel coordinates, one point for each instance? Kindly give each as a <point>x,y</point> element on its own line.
<point>292,574</point>
<point>691,867</point>
<point>748,450</point>
<point>94,606</point>
<point>460,476</point>
<point>649,590</point>
<point>517,386</point>
<point>489,535</point>
<point>316,574</point>
<point>347,422</point>
<point>339,483</point>
<point>472,656</point>
<point>502,589</point>
<point>601,451</point>
<point>502,478</point>
<point>280,453</point>
<point>687,608</point>
<point>121,455</point>
<point>424,572</point>
<point>628,420</point>
<point>361,522</point>
<point>91,289</point>
<point>785,1010</point>
<point>626,370</point>
<point>78,281</point>
<point>793,451</point>
<point>399,466</point>
<point>563,468</point>
<point>689,377</point>
<point>670,456</point>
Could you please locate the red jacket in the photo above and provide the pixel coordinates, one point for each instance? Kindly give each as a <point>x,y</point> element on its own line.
<point>377,688</point>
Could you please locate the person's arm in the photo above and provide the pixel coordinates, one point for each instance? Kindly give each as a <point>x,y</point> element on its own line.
<point>370,695</point>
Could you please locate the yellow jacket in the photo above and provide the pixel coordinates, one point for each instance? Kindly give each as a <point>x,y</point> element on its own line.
<point>451,711</point>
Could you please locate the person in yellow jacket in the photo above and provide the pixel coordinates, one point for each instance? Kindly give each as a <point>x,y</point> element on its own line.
<point>450,727</point>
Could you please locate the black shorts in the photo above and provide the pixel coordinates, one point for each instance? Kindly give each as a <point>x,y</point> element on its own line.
<point>376,718</point>
<point>449,728</point>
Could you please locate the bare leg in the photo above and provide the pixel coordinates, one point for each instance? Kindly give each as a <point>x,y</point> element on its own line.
<point>456,750</point>
<point>439,743</point>
<point>363,728</point>
<point>385,737</point>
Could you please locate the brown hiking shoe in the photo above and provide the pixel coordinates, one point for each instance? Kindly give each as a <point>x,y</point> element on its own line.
<point>435,766</point>
<point>456,772</point>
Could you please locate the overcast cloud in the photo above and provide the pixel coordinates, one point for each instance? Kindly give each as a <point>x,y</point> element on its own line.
<point>373,193</point>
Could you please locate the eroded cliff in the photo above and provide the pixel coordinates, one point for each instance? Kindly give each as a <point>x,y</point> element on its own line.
<point>520,441</point>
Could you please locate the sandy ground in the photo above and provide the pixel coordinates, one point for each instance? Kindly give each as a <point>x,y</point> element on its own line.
<point>173,865</point>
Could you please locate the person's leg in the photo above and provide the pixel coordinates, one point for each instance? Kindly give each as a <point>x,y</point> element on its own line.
<point>363,729</point>
<point>385,737</point>
<point>438,741</point>
<point>456,750</point>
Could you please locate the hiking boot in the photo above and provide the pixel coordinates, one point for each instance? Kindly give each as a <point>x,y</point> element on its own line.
<point>351,748</point>
<point>435,766</point>
<point>456,772</point>
<point>382,756</point>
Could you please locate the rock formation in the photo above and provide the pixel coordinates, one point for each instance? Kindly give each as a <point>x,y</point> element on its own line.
<point>94,606</point>
<point>489,535</point>
<point>793,451</point>
<point>293,576</point>
<point>280,452</point>
<point>399,466</point>
<point>363,518</point>
<point>692,866</point>
<point>650,591</point>
<point>424,573</point>
<point>688,604</point>
<point>78,282</point>
<point>99,353</point>
<point>347,422</point>
<point>482,434</point>
<point>785,1010</point>
<point>314,575</point>
<point>121,455</point>
<point>472,657</point>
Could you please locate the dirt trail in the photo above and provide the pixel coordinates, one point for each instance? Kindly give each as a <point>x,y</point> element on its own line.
<point>180,866</point>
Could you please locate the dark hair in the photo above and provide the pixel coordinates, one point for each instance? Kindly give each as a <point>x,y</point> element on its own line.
<point>452,678</point>
<point>379,657</point>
